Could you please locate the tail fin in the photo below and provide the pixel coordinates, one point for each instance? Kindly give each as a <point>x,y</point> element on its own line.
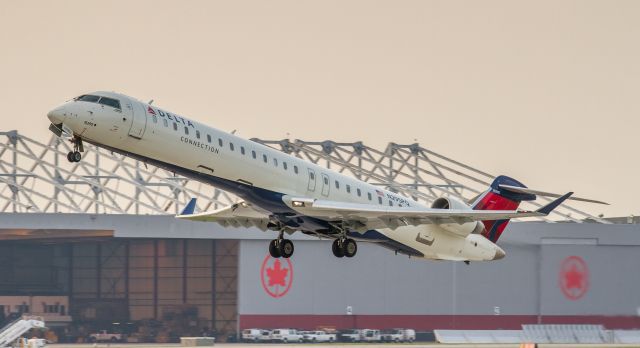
<point>497,198</point>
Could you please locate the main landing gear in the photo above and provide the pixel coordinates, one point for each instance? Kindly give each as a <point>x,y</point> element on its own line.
<point>75,155</point>
<point>281,248</point>
<point>342,247</point>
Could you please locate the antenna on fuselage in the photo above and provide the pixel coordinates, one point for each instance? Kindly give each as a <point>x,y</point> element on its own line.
<point>233,131</point>
<point>150,102</point>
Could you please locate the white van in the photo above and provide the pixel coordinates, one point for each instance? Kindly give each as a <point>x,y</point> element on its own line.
<point>251,335</point>
<point>265,336</point>
<point>399,335</point>
<point>285,336</point>
<point>369,335</point>
<point>354,335</point>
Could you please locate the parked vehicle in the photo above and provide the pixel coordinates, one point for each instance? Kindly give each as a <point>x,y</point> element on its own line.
<point>285,336</point>
<point>265,336</point>
<point>354,335</point>
<point>318,336</point>
<point>251,335</point>
<point>399,335</point>
<point>104,336</point>
<point>369,335</point>
<point>305,335</point>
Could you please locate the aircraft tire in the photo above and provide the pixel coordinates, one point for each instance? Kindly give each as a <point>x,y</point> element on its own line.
<point>349,247</point>
<point>286,248</point>
<point>274,251</point>
<point>70,156</point>
<point>77,156</point>
<point>336,247</point>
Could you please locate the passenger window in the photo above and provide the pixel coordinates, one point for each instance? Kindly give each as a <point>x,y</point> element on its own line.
<point>231,146</point>
<point>198,134</point>
<point>253,154</point>
<point>275,162</point>
<point>154,118</point>
<point>166,124</point>
<point>242,150</point>
<point>209,138</point>
<point>220,142</point>
<point>337,184</point>
<point>326,181</point>
<point>369,195</point>
<point>114,103</point>
<point>264,158</point>
<point>312,176</point>
<point>295,169</point>
<point>379,200</point>
<point>175,126</point>
<point>284,165</point>
<point>359,192</point>
<point>186,130</point>
<point>391,203</point>
<point>348,189</point>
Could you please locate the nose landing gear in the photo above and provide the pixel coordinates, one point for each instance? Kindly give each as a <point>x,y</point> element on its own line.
<point>75,155</point>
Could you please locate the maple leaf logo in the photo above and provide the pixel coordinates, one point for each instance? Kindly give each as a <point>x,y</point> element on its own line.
<point>151,111</point>
<point>574,277</point>
<point>277,274</point>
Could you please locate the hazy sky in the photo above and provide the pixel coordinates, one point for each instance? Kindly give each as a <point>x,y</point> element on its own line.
<point>545,91</point>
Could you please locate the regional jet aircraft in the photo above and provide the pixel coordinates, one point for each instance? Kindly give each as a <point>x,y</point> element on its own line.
<point>285,194</point>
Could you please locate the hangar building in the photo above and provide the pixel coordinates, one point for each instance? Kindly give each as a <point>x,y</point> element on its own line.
<point>94,246</point>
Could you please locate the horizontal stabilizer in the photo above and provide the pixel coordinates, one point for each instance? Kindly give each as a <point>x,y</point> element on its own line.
<point>551,206</point>
<point>546,194</point>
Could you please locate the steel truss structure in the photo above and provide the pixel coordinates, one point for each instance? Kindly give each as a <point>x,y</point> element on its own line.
<point>38,178</point>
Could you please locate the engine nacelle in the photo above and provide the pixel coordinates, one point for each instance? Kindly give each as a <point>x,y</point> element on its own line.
<point>464,229</point>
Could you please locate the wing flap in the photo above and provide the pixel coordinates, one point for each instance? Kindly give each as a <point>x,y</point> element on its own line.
<point>236,215</point>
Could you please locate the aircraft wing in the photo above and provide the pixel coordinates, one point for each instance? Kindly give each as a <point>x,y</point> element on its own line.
<point>239,214</point>
<point>368,216</point>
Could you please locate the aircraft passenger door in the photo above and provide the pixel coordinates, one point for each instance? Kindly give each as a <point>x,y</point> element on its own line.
<point>139,116</point>
<point>325,185</point>
<point>312,180</point>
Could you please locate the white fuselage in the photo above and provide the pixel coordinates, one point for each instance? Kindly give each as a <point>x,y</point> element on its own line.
<point>257,173</point>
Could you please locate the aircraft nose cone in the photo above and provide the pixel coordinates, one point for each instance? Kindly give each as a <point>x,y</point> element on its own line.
<point>56,116</point>
<point>499,254</point>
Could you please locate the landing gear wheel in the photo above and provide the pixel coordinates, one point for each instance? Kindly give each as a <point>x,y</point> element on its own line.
<point>285,248</point>
<point>336,247</point>
<point>77,156</point>
<point>274,251</point>
<point>349,247</point>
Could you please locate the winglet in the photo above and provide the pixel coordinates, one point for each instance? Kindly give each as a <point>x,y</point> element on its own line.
<point>190,208</point>
<point>551,206</point>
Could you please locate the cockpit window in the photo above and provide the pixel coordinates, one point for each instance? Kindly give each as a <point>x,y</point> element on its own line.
<point>110,102</point>
<point>88,98</point>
